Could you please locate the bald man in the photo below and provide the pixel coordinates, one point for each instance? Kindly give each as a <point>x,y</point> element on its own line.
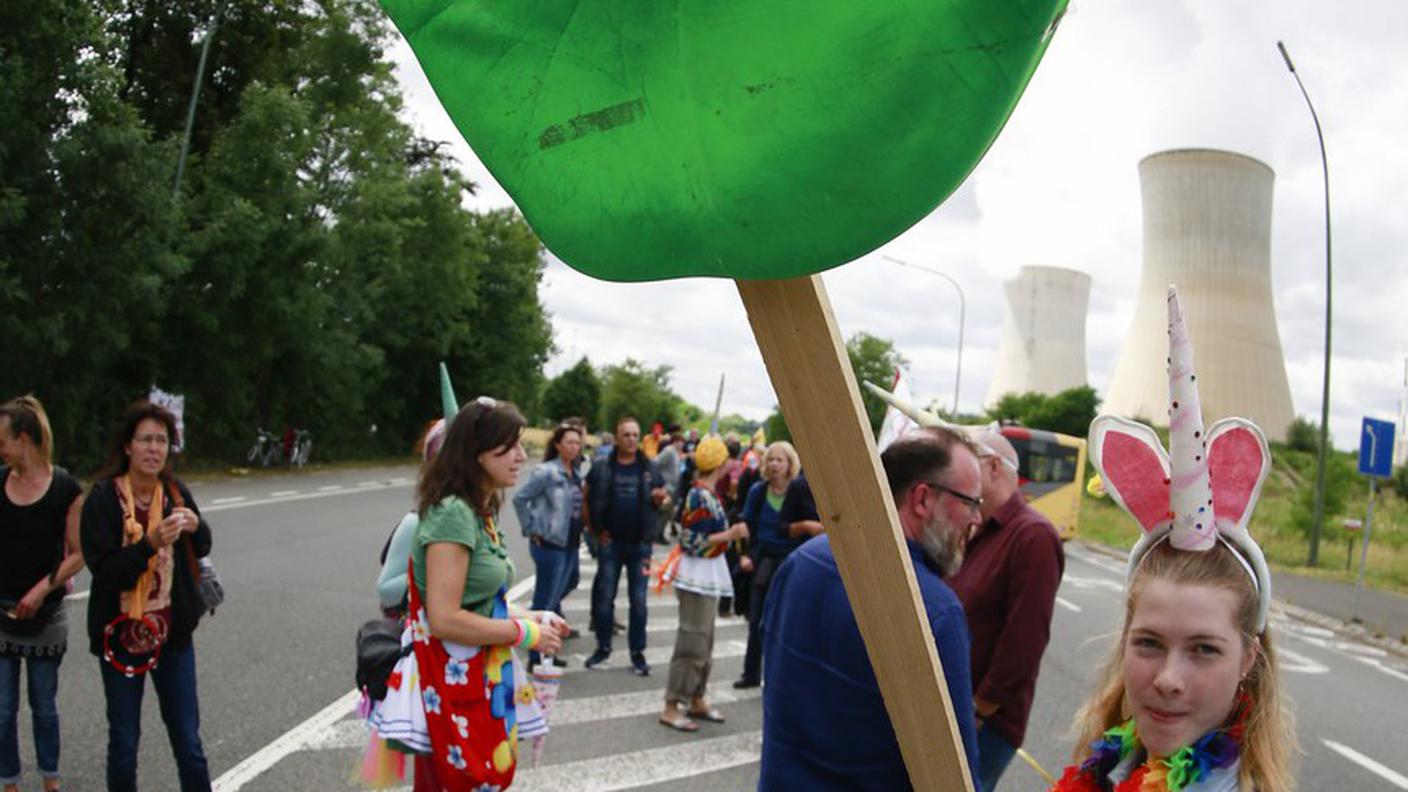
<point>1007,584</point>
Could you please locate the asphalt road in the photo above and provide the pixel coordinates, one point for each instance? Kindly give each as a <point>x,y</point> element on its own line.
<point>298,558</point>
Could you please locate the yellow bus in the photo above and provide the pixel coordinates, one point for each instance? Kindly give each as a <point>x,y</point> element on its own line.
<point>1051,472</point>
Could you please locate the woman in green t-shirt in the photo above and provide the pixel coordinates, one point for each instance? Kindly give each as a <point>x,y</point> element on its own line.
<point>464,630</point>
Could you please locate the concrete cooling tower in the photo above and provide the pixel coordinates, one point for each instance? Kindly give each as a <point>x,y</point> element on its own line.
<point>1043,333</point>
<point>1207,230</point>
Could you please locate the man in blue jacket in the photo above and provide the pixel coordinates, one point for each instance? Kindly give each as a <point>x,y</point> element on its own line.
<point>824,723</point>
<point>623,494</point>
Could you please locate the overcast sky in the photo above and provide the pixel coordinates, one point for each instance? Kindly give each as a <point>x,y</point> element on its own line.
<point>1121,80</point>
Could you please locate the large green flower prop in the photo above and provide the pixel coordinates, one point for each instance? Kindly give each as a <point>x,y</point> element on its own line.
<point>652,139</point>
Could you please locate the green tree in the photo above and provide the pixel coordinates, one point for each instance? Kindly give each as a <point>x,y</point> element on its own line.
<point>574,392</point>
<point>873,359</point>
<point>1068,412</point>
<point>633,389</point>
<point>85,212</point>
<point>775,427</point>
<point>1303,435</point>
<point>1340,480</point>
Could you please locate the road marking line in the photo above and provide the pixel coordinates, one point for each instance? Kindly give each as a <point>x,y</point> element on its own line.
<point>1068,605</point>
<point>1093,584</point>
<point>368,483</point>
<point>1365,762</point>
<point>235,499</point>
<point>1294,662</point>
<point>330,488</point>
<point>639,768</point>
<point>660,655</point>
<point>294,739</point>
<point>283,493</point>
<point>311,732</point>
<point>1384,667</point>
<point>352,732</point>
<point>305,496</point>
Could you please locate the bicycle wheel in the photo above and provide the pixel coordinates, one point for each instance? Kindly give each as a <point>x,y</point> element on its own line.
<point>254,451</point>
<point>300,454</point>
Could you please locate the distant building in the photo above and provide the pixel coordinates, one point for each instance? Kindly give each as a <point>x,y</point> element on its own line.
<point>1207,230</point>
<point>1043,333</point>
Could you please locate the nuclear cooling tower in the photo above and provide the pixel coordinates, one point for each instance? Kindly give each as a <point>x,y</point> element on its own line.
<point>1043,333</point>
<point>1207,230</point>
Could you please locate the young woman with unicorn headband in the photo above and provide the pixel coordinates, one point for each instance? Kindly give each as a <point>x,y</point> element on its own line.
<point>1190,698</point>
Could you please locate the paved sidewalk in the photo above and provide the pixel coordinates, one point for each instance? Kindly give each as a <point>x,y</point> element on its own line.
<point>1380,611</point>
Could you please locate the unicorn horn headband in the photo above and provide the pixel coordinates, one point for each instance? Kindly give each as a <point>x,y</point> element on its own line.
<point>448,403</point>
<point>1201,492</point>
<point>925,418</point>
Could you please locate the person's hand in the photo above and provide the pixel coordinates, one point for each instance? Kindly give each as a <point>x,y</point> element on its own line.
<point>550,639</point>
<point>165,532</point>
<point>659,497</point>
<point>550,618</point>
<point>745,563</point>
<point>30,602</point>
<point>188,519</point>
<point>739,530</point>
<point>603,539</point>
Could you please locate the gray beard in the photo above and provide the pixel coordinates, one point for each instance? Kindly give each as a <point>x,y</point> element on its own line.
<point>946,555</point>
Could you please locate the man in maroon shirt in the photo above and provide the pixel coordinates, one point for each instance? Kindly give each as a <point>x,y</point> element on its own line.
<point>1007,585</point>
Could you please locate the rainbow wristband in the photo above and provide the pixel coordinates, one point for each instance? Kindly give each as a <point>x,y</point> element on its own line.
<point>529,633</point>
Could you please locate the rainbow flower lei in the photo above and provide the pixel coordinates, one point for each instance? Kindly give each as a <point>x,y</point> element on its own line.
<point>1189,765</point>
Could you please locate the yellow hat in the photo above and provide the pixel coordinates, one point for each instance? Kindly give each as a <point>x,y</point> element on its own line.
<point>710,454</point>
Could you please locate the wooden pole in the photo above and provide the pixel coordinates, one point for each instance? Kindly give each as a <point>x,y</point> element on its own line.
<point>811,374</point>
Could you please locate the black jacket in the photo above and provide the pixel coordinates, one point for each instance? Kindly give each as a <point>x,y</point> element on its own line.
<point>116,568</point>
<point>599,486</point>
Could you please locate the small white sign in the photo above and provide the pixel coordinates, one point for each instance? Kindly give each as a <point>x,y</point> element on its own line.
<point>177,405</point>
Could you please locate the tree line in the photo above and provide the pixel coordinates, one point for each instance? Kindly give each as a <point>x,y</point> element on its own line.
<point>314,264</point>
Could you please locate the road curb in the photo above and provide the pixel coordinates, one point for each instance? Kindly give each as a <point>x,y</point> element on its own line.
<point>1344,628</point>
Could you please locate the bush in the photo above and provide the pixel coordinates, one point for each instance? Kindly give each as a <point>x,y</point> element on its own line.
<point>1399,482</point>
<point>1303,435</point>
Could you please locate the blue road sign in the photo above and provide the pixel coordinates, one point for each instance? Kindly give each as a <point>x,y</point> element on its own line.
<point>1376,448</point>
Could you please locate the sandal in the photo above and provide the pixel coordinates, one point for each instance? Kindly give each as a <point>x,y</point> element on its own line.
<point>711,715</point>
<point>679,723</point>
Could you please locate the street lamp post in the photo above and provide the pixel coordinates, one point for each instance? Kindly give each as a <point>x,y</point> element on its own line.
<point>962,311</point>
<point>1325,392</point>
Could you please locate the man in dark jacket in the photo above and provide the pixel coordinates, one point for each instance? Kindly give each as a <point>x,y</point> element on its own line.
<point>623,494</point>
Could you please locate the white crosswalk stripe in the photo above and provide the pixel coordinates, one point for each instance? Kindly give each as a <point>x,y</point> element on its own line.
<point>577,716</point>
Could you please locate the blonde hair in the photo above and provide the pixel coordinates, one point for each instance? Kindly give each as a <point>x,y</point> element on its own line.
<point>1269,740</point>
<point>794,462</point>
<point>27,417</point>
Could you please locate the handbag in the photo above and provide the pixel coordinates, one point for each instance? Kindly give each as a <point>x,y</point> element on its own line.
<point>208,586</point>
<point>378,650</point>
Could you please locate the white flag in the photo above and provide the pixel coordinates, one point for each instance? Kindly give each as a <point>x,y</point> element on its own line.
<point>896,423</point>
<point>176,404</point>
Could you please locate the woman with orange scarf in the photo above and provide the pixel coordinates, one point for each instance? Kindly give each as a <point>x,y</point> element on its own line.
<point>141,535</point>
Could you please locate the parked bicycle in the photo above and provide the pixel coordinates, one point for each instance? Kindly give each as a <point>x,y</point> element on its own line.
<point>301,448</point>
<point>267,448</point>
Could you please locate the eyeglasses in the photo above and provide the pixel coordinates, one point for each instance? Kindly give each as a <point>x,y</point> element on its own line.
<point>152,440</point>
<point>976,504</point>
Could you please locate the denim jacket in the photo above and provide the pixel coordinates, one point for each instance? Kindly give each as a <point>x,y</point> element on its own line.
<point>544,503</point>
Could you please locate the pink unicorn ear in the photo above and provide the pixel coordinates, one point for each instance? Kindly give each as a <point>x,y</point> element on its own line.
<point>1134,468</point>
<point>1238,462</point>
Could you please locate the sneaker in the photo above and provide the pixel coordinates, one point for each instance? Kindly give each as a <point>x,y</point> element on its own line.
<point>743,682</point>
<point>639,665</point>
<point>559,662</point>
<point>598,658</point>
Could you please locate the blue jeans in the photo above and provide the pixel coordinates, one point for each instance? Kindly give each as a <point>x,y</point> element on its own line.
<point>175,681</point>
<point>554,566</point>
<point>610,559</point>
<point>994,753</point>
<point>42,675</point>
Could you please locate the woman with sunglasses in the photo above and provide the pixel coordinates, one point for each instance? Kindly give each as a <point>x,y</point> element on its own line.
<point>142,535</point>
<point>39,508</point>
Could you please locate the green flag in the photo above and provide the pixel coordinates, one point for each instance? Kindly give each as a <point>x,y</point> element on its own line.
<point>653,139</point>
